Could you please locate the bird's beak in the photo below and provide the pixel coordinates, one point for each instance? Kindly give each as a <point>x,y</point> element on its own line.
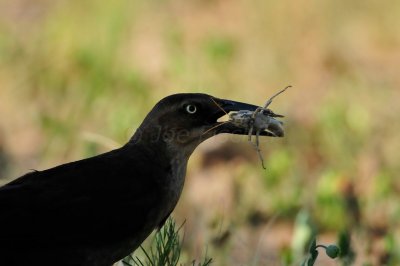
<point>222,107</point>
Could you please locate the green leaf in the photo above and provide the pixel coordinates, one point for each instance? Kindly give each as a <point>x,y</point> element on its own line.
<point>313,246</point>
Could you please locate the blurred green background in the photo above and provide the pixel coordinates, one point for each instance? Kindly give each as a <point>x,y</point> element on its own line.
<point>77,78</point>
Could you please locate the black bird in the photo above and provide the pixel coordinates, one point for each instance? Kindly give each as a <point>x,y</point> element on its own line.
<point>98,210</point>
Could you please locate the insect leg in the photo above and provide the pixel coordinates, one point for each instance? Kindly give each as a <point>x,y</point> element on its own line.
<point>272,133</point>
<point>252,120</point>
<point>253,116</point>
<point>257,147</point>
<point>273,96</point>
<point>251,128</point>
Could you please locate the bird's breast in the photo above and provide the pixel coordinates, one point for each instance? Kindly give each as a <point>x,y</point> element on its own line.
<point>175,181</point>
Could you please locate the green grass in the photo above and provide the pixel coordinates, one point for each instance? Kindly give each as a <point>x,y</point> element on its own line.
<point>164,250</point>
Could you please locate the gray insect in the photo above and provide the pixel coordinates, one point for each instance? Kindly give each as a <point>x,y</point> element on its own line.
<point>262,119</point>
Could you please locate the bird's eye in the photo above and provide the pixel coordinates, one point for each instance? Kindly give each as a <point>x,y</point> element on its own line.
<point>191,109</point>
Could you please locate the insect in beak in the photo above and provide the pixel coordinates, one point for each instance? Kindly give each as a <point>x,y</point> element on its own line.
<point>247,119</point>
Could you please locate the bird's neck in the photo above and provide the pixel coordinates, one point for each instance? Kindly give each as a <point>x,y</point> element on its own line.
<point>169,141</point>
<point>159,150</point>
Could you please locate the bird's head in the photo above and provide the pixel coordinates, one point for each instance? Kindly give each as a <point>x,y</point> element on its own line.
<point>185,120</point>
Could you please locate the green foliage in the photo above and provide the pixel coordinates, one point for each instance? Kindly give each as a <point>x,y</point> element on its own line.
<point>313,254</point>
<point>347,254</point>
<point>165,249</point>
<point>304,231</point>
<point>332,251</point>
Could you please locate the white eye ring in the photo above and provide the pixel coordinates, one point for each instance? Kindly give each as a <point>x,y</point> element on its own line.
<point>191,109</point>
